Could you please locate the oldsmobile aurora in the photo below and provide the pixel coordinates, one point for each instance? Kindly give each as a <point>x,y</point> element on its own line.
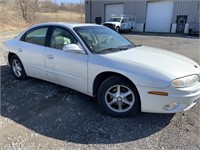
<point>126,78</point>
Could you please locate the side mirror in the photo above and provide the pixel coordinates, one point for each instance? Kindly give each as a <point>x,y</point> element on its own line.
<point>73,48</point>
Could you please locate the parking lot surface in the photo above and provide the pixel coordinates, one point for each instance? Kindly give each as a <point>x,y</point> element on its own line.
<point>39,115</point>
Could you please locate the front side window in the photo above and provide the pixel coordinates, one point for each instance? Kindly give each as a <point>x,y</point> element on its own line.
<point>61,37</point>
<point>101,39</point>
<point>115,19</point>
<point>36,36</point>
<point>124,20</point>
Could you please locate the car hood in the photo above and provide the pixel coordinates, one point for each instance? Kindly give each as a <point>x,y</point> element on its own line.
<point>116,23</point>
<point>162,60</point>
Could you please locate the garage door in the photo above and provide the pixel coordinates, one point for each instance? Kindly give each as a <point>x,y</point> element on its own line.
<point>113,9</point>
<point>159,15</point>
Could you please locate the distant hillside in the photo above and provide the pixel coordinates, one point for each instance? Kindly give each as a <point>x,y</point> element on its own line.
<point>11,17</point>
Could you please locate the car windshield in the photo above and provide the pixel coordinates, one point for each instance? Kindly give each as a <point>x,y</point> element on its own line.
<point>100,39</point>
<point>115,19</point>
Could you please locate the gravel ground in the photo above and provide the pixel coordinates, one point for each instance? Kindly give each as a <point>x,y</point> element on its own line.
<point>39,115</point>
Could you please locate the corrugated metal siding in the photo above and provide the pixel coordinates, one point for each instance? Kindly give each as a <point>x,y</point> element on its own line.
<point>94,8</point>
<point>131,7</point>
<point>87,11</point>
<point>186,7</point>
<point>138,8</point>
<point>97,10</point>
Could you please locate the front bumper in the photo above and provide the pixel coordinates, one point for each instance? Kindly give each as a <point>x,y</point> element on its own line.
<point>186,98</point>
<point>109,25</point>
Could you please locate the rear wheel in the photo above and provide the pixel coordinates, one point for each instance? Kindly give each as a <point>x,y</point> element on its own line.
<point>17,68</point>
<point>130,30</point>
<point>118,97</point>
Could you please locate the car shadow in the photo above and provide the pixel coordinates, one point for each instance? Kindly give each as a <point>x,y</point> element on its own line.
<point>64,114</point>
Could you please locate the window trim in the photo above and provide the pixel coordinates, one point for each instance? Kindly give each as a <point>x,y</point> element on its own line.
<point>50,34</point>
<point>50,31</point>
<point>31,30</point>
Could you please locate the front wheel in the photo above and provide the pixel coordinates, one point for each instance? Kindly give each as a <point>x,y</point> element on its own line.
<point>118,29</point>
<point>118,97</point>
<point>17,68</point>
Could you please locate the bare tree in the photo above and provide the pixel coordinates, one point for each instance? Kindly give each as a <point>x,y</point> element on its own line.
<point>28,8</point>
<point>24,8</point>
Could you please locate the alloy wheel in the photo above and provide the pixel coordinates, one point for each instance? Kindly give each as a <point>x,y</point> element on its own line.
<point>119,98</point>
<point>17,69</point>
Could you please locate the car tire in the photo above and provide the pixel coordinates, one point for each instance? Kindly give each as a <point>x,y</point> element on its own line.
<point>17,68</point>
<point>118,97</point>
<point>118,29</point>
<point>131,29</point>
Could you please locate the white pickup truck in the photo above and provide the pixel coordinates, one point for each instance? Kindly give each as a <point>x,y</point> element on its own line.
<point>121,23</point>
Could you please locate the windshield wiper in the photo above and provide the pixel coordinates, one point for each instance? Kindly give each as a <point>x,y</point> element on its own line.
<point>138,45</point>
<point>106,50</point>
<point>126,47</point>
<point>132,46</point>
<point>121,48</point>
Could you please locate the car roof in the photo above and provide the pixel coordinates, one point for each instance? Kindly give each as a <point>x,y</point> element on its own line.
<point>70,25</point>
<point>66,24</point>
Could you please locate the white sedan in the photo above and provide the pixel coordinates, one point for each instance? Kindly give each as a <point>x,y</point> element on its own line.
<point>126,78</point>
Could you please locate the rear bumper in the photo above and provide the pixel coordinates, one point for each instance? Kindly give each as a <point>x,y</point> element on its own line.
<point>185,98</point>
<point>6,53</point>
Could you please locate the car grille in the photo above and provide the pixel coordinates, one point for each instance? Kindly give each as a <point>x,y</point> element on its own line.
<point>109,25</point>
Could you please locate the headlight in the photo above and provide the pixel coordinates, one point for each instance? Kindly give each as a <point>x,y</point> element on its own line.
<point>185,81</point>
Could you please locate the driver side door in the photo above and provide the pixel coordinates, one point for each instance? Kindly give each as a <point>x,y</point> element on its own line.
<point>65,68</point>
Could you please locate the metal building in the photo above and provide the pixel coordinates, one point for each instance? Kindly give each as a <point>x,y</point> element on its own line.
<point>151,15</point>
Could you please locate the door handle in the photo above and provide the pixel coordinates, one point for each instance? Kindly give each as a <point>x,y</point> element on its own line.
<point>50,56</point>
<point>20,50</point>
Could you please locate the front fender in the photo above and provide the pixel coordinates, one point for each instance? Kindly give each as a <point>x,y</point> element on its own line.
<point>139,74</point>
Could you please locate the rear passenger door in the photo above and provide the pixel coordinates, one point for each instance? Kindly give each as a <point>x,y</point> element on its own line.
<point>31,51</point>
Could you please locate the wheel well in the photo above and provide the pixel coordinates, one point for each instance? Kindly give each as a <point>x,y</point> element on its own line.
<point>10,55</point>
<point>104,75</point>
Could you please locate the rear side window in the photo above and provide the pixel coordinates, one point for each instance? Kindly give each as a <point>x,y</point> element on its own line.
<point>36,36</point>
